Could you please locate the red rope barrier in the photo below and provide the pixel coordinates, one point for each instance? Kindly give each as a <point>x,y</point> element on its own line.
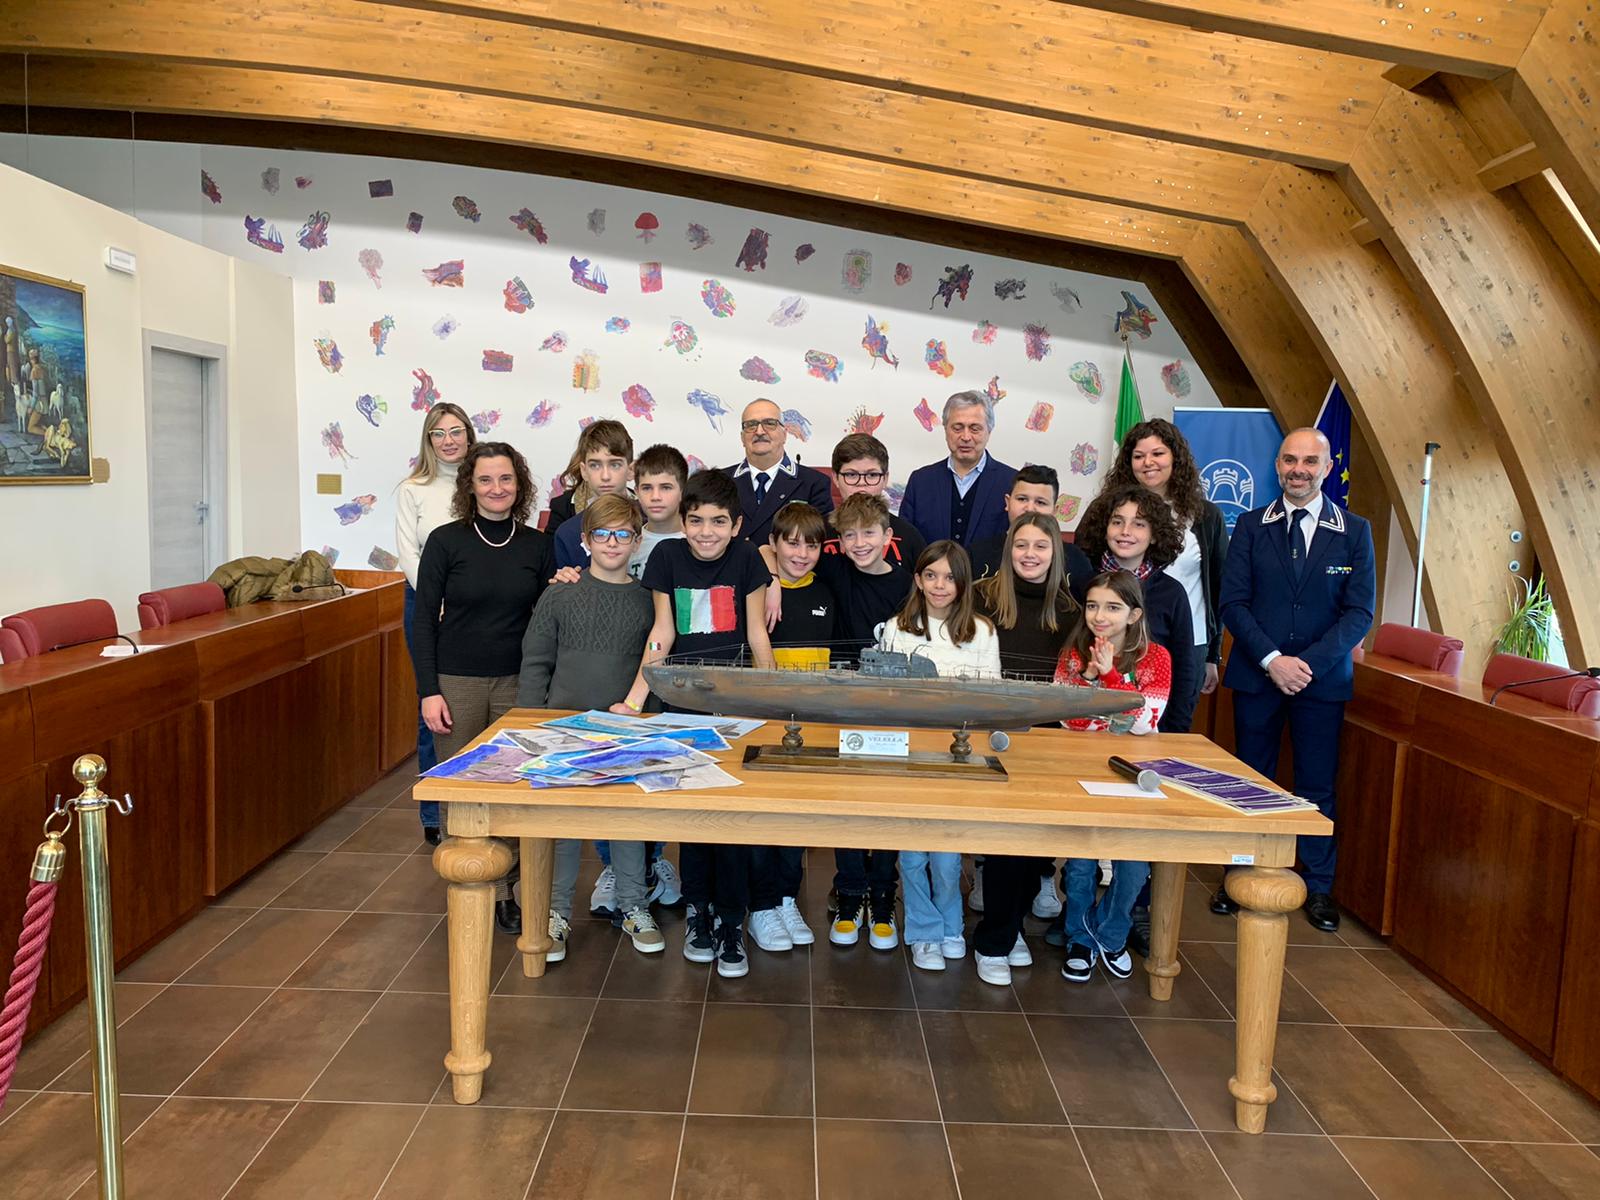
<point>25,970</point>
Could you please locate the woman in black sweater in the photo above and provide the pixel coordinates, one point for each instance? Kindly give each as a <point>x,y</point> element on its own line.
<point>477,583</point>
<point>1030,603</point>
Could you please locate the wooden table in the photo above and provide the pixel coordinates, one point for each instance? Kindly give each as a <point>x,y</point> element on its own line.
<point>1040,811</point>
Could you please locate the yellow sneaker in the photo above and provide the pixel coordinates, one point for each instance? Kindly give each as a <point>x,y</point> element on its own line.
<point>846,929</point>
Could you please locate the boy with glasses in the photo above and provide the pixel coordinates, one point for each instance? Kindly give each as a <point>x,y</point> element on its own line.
<point>582,650</point>
<point>861,467</point>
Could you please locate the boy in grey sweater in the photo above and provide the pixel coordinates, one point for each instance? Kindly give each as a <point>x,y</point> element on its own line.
<point>582,651</point>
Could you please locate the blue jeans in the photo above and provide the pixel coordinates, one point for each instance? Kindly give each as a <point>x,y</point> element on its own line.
<point>931,884</point>
<point>427,757</point>
<point>603,849</point>
<point>1107,921</point>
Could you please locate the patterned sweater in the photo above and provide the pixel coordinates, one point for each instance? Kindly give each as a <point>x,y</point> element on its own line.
<point>583,645</point>
<point>1152,679</point>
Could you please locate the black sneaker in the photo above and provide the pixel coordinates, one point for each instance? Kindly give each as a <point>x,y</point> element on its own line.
<point>847,921</point>
<point>1117,962</point>
<point>508,916</point>
<point>1079,967</point>
<point>881,931</point>
<point>699,937</point>
<point>1056,934</point>
<point>732,962</point>
<point>1139,935</point>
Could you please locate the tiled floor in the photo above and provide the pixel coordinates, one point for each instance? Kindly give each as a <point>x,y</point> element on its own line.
<point>288,1043</point>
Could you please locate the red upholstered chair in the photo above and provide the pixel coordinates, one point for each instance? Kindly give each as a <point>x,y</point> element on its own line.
<point>42,630</point>
<point>1580,694</point>
<point>1432,650</point>
<point>179,604</point>
<point>11,647</point>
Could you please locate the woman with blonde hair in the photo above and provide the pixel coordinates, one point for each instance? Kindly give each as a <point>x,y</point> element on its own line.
<point>422,504</point>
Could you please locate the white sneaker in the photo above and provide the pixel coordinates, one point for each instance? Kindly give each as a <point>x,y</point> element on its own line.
<point>559,928</point>
<point>668,888</point>
<point>954,947</point>
<point>1105,872</point>
<point>881,931</point>
<point>799,932</point>
<point>1047,905</point>
<point>768,931</point>
<point>642,928</point>
<point>975,896</point>
<point>603,900</point>
<point>993,970</point>
<point>1020,955</point>
<point>926,955</point>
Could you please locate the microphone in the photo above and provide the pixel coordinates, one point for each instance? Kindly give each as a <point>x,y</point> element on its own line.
<point>1580,673</point>
<point>1146,780</point>
<point>68,645</point>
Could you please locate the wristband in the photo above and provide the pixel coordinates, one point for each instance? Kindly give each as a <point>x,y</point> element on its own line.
<point>638,708</point>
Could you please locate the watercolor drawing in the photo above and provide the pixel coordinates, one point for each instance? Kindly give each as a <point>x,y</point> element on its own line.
<point>637,399</point>
<point>753,253</point>
<point>937,356</point>
<point>857,270</point>
<point>542,414</point>
<point>1133,318</point>
<point>717,298</point>
<point>710,404</point>
<point>822,365</point>
<point>447,274</point>
<point>876,343</point>
<point>372,263</point>
<point>525,220</point>
<point>955,283</point>
<point>518,298</point>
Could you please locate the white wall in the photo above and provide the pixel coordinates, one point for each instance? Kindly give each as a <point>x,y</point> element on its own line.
<point>68,542</point>
<point>162,184</point>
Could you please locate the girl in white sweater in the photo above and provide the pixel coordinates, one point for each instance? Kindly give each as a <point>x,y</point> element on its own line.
<point>422,504</point>
<point>939,622</point>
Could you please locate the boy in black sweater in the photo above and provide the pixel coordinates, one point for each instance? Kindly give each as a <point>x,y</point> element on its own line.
<point>709,594</point>
<point>868,590</point>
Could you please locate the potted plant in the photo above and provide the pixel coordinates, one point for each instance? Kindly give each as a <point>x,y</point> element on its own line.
<point>1528,631</point>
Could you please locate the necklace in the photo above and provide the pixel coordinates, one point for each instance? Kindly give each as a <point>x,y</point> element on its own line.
<point>486,541</point>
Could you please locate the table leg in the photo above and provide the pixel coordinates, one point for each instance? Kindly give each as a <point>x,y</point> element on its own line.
<point>538,862</point>
<point>1265,895</point>
<point>470,865</point>
<point>1166,912</point>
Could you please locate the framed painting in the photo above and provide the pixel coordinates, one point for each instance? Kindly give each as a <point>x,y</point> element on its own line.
<point>44,390</point>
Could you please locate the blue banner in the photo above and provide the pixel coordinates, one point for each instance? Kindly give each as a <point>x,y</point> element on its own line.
<point>1236,450</point>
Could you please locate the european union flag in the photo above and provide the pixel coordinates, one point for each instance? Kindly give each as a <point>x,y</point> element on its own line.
<point>1334,422</point>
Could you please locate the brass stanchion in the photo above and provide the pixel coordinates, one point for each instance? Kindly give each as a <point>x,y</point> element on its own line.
<point>91,806</point>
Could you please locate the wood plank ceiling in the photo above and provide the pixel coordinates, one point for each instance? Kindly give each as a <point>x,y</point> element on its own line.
<point>1432,248</point>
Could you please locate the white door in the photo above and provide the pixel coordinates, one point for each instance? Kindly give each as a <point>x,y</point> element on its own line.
<point>180,510</point>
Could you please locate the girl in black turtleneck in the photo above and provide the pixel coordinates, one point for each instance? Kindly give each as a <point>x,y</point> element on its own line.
<point>1033,611</point>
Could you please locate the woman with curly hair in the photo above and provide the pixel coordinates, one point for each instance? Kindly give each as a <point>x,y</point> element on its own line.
<point>1130,528</point>
<point>1156,455</point>
<point>477,583</point>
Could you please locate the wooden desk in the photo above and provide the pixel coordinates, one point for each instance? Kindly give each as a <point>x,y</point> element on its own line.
<point>1039,811</point>
<point>234,731</point>
<point>1471,833</point>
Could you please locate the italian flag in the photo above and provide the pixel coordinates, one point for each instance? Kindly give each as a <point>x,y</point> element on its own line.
<point>705,610</point>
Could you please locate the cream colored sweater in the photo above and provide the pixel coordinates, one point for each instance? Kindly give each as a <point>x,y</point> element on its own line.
<point>420,508</point>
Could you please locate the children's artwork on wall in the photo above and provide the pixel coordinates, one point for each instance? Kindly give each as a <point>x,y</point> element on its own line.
<point>331,553</point>
<point>209,188</point>
<point>518,298</point>
<point>1085,459</point>
<point>485,420</point>
<point>314,233</point>
<point>372,263</point>
<point>269,181</point>
<point>710,404</point>
<point>857,270</point>
<point>753,254</point>
<point>1175,378</point>
<point>259,232</point>
<point>525,220</point>
<point>354,509</point>
<point>303,182</point>
<point>796,423</point>
<point>44,392</point>
<point>328,354</point>
<point>786,330</point>
<point>378,189</point>
<point>1133,318</point>
<point>1067,508</point>
<point>1087,376</point>
<point>326,291</point>
<point>382,560</point>
<point>414,223</point>
<point>333,442</point>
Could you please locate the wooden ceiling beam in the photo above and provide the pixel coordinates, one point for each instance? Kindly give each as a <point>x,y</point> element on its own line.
<point>495,59</point>
<point>1523,332</point>
<point>277,95</point>
<point>1403,390</point>
<point>1553,94</point>
<point>1029,56</point>
<point>1482,38</point>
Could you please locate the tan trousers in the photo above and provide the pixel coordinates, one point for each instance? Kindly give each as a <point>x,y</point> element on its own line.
<point>477,702</point>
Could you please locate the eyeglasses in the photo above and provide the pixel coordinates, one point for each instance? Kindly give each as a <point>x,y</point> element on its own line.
<point>867,477</point>
<point>621,536</point>
<point>439,435</point>
<point>760,423</point>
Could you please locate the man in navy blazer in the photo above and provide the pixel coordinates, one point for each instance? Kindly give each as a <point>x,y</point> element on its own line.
<point>964,496</point>
<point>768,478</point>
<point>1298,595</point>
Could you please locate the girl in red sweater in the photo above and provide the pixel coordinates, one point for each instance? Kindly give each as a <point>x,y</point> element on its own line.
<point>1110,647</point>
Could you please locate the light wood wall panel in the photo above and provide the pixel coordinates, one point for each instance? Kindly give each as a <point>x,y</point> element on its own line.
<point>1032,56</point>
<point>695,91</point>
<point>174,88</point>
<point>1401,382</point>
<point>1556,92</point>
<point>1467,37</point>
<point>1522,330</point>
